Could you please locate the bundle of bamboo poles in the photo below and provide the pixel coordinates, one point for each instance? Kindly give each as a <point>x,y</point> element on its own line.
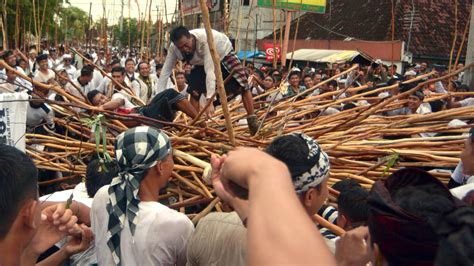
<point>360,141</point>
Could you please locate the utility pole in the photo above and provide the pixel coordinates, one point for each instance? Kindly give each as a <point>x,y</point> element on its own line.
<point>469,73</point>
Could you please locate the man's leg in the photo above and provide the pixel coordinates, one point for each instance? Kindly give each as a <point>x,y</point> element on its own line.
<point>248,102</point>
<point>187,107</point>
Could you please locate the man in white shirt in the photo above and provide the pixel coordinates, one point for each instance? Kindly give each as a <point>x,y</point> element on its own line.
<point>44,74</point>
<point>148,83</point>
<point>10,83</point>
<point>10,58</point>
<point>130,226</point>
<point>162,107</point>
<point>96,75</point>
<point>192,47</point>
<point>66,65</point>
<point>82,83</point>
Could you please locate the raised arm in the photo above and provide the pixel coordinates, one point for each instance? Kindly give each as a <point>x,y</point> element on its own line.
<point>170,62</point>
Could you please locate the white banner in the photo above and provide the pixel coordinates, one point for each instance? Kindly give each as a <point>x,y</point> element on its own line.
<point>13,119</point>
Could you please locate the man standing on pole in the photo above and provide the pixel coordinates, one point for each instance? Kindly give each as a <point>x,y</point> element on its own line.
<point>192,47</point>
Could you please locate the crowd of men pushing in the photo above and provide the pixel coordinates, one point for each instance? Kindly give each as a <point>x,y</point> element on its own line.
<point>408,219</point>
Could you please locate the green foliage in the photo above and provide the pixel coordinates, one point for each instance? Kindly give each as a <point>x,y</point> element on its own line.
<point>55,16</point>
<point>391,161</point>
<point>121,37</point>
<point>100,135</point>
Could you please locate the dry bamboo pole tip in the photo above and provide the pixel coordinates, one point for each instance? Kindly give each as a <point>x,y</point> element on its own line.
<point>324,223</point>
<point>206,175</point>
<point>217,69</point>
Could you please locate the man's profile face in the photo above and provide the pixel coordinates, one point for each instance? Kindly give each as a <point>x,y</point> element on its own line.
<point>185,45</point>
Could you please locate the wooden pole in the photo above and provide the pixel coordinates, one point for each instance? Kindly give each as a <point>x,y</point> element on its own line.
<point>455,34</point>
<point>466,29</point>
<point>239,22</point>
<point>275,54</point>
<point>17,25</point>
<point>286,38</point>
<point>393,31</point>
<point>217,69</point>
<point>294,40</point>
<point>129,47</point>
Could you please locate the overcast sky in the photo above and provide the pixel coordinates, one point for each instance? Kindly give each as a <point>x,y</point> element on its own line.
<point>113,8</point>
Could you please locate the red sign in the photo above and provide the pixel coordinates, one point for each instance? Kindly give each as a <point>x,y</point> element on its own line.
<point>270,52</point>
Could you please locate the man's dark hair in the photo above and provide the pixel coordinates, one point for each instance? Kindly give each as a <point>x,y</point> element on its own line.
<point>18,182</point>
<point>92,94</point>
<point>308,76</point>
<point>293,73</point>
<point>346,184</point>
<point>118,69</point>
<point>348,106</point>
<point>89,57</point>
<point>128,60</point>
<point>87,71</point>
<point>177,33</point>
<point>353,204</point>
<point>99,175</point>
<point>333,83</point>
<point>141,63</point>
<point>7,54</point>
<point>291,150</point>
<point>115,62</point>
<point>158,66</point>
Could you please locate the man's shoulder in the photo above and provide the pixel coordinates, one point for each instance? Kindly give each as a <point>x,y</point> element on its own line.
<point>101,197</point>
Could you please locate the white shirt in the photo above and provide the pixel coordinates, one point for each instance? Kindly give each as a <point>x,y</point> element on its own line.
<point>96,78</point>
<point>44,77</point>
<point>35,116</point>
<point>467,102</point>
<point>160,238</point>
<point>127,103</point>
<point>72,90</point>
<point>201,57</point>
<point>70,70</point>
<point>79,194</point>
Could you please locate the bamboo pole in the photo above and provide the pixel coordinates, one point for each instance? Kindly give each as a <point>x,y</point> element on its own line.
<point>275,53</point>
<point>455,34</point>
<point>461,46</point>
<point>217,69</point>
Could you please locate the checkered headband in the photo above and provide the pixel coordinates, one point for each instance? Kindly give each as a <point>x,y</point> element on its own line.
<point>136,150</point>
<point>316,169</point>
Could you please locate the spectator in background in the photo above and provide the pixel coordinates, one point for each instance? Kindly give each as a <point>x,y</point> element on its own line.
<point>294,87</point>
<point>44,74</point>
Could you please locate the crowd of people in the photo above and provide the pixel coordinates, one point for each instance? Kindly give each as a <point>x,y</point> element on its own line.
<point>115,216</point>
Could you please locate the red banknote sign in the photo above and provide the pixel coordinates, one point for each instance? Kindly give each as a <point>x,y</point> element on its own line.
<point>270,52</point>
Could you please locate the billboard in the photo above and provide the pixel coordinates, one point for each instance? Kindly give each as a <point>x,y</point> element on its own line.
<point>192,6</point>
<point>316,6</point>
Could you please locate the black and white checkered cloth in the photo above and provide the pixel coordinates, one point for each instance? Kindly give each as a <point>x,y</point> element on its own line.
<point>136,150</point>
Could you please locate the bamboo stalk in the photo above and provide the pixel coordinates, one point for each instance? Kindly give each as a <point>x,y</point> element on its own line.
<point>217,69</point>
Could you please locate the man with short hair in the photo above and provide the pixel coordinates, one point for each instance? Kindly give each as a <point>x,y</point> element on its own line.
<point>66,65</point>
<point>352,208</point>
<point>44,74</point>
<point>130,74</point>
<point>11,83</point>
<point>25,230</point>
<point>192,47</point>
<point>222,236</point>
<point>131,227</point>
<point>83,83</point>
<point>147,83</point>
